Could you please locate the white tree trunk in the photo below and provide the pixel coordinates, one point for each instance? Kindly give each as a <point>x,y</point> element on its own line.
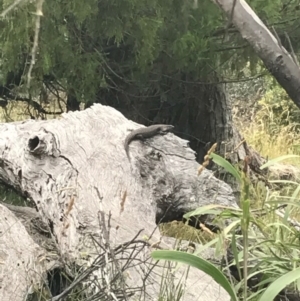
<point>23,263</point>
<point>75,168</point>
<point>277,60</point>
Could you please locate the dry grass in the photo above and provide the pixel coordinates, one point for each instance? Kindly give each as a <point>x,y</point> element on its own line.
<point>272,129</point>
<point>14,111</point>
<point>22,110</point>
<point>269,144</point>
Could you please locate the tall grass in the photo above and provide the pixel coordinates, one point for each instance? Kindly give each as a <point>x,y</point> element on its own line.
<point>273,126</point>
<point>263,246</point>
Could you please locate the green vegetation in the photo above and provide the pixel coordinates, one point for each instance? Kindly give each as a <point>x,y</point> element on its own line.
<point>87,46</point>
<point>275,128</point>
<point>264,247</point>
<point>97,50</point>
<point>155,52</point>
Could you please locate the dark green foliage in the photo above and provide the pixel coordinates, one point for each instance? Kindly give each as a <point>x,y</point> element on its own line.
<point>276,109</point>
<point>92,46</point>
<point>10,196</point>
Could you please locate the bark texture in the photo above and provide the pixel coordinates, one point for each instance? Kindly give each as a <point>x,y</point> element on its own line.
<point>76,171</point>
<point>23,263</point>
<point>277,60</point>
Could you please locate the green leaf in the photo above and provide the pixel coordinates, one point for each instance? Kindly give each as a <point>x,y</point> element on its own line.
<point>226,165</point>
<point>274,289</point>
<point>213,209</point>
<point>208,209</point>
<point>236,254</point>
<point>289,208</point>
<point>200,264</point>
<point>281,158</point>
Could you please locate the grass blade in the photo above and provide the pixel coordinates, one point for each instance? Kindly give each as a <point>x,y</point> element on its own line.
<point>198,263</point>
<point>281,158</point>
<point>226,165</point>
<point>274,289</point>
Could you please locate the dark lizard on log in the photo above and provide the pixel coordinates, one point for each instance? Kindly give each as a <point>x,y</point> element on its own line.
<point>147,132</point>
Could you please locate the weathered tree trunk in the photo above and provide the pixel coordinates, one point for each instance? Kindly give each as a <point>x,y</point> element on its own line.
<point>277,60</point>
<point>76,172</point>
<point>23,261</point>
<point>72,102</point>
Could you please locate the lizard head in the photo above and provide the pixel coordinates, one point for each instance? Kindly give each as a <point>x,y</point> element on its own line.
<point>166,128</point>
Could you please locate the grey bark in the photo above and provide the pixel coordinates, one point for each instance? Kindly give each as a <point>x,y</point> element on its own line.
<point>23,263</point>
<point>75,168</point>
<point>277,60</point>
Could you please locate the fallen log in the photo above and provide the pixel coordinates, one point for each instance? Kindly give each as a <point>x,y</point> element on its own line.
<point>76,172</point>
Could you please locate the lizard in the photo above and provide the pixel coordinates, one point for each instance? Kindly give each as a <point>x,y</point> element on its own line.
<point>144,133</point>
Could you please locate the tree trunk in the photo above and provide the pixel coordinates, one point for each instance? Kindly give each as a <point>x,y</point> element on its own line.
<point>72,102</point>
<point>278,61</point>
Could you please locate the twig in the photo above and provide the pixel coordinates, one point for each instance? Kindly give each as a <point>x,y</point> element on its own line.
<point>277,37</point>
<point>229,21</point>
<point>39,13</point>
<point>294,57</point>
<point>12,6</point>
<point>78,280</point>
